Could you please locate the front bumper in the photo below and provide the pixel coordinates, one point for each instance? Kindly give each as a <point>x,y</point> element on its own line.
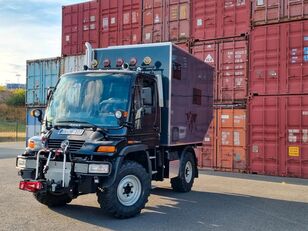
<point>80,167</point>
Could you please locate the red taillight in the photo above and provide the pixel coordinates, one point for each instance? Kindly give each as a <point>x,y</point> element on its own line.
<point>31,186</point>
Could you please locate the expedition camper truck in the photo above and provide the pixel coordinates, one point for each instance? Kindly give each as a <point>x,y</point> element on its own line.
<point>134,115</point>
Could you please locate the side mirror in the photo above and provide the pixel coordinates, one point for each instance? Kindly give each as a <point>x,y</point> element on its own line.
<point>146,96</point>
<point>37,113</point>
<point>49,93</point>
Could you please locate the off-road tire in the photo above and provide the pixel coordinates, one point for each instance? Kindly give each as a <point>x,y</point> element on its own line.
<point>108,198</point>
<point>179,184</point>
<point>52,200</point>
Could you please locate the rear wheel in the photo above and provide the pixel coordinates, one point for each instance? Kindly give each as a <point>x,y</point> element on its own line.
<point>187,173</point>
<point>52,200</point>
<point>129,194</point>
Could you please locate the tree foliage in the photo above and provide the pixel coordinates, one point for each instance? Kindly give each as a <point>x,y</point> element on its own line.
<point>17,98</point>
<point>2,88</point>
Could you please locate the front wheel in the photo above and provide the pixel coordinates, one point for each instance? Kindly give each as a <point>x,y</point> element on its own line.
<point>129,194</point>
<point>187,172</point>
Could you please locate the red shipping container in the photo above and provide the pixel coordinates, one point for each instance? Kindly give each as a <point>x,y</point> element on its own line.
<point>166,20</point>
<point>279,59</point>
<point>274,11</point>
<point>184,46</point>
<point>279,135</point>
<point>120,22</point>
<point>214,19</point>
<point>80,24</point>
<point>230,59</point>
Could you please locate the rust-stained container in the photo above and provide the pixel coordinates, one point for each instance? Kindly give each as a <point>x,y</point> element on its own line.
<point>278,142</point>
<point>214,19</point>
<point>225,146</point>
<point>205,153</point>
<point>229,57</point>
<point>120,22</point>
<point>279,59</point>
<point>80,24</point>
<point>275,11</point>
<point>166,20</point>
<point>230,147</point>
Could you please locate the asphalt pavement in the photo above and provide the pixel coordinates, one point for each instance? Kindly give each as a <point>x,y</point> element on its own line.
<point>11,149</point>
<point>219,201</point>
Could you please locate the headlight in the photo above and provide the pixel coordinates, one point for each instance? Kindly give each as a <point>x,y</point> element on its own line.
<point>35,143</point>
<point>98,168</point>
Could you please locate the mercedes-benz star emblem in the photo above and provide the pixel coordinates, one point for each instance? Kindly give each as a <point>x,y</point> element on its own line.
<point>65,144</point>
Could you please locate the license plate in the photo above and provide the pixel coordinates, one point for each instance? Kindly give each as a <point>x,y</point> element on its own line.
<point>65,131</point>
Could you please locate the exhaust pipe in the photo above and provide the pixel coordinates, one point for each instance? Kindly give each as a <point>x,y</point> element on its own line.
<point>89,55</point>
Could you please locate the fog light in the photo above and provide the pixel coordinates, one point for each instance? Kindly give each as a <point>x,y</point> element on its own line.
<point>99,168</point>
<point>21,163</point>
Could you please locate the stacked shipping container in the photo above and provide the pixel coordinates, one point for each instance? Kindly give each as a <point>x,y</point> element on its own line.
<point>43,74</point>
<point>118,22</point>
<point>259,50</point>
<point>166,20</point>
<point>279,99</point>
<point>220,30</point>
<point>80,24</point>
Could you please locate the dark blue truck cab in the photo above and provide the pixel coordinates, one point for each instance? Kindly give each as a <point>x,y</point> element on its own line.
<point>134,115</point>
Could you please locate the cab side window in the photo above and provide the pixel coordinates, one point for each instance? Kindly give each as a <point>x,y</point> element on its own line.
<point>138,105</point>
<point>145,104</point>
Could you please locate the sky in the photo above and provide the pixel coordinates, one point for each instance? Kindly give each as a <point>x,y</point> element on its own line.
<point>29,29</point>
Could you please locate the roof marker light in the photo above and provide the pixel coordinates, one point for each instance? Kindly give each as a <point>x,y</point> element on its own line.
<point>133,61</point>
<point>147,60</point>
<point>94,63</point>
<point>120,62</point>
<point>107,63</point>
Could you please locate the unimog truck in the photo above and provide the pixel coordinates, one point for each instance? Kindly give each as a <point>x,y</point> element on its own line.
<point>135,114</point>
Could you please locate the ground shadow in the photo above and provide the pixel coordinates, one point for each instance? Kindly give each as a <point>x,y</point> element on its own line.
<point>168,210</point>
<point>247,176</point>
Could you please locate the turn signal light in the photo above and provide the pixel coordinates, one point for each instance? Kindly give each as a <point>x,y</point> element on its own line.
<point>106,149</point>
<point>31,144</point>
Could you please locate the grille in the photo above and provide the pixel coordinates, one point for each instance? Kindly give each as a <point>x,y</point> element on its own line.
<point>74,146</point>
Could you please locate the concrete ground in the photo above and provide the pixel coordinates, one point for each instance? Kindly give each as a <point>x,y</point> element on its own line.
<point>219,201</point>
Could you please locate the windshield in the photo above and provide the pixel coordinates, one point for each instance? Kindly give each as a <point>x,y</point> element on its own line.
<point>89,98</point>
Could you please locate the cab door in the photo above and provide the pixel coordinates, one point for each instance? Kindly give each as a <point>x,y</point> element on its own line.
<point>145,113</point>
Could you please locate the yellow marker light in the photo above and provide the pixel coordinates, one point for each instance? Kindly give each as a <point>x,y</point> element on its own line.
<point>106,149</point>
<point>125,114</point>
<point>147,60</point>
<point>31,144</point>
<point>94,63</point>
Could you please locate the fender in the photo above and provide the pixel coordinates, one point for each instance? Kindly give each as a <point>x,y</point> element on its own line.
<point>120,159</point>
